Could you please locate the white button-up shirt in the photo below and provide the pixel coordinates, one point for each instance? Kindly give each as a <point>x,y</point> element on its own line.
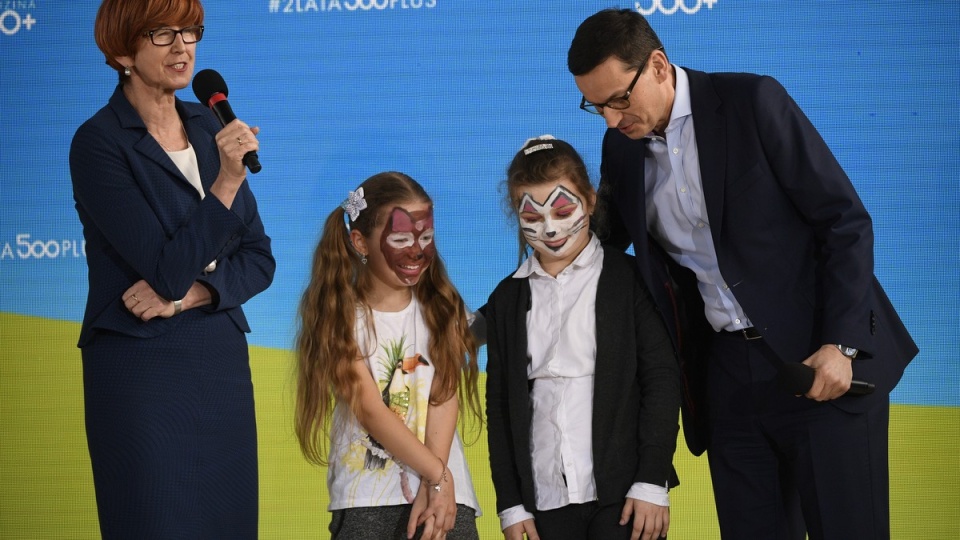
<point>562,347</point>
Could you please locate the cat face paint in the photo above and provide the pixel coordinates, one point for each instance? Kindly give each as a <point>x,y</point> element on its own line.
<point>407,243</point>
<point>554,226</point>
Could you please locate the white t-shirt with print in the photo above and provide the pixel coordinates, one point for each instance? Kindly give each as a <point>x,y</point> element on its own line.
<point>361,473</point>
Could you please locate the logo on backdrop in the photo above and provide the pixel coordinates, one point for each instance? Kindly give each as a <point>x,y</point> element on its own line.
<point>303,6</point>
<point>669,7</point>
<point>26,247</point>
<point>15,16</point>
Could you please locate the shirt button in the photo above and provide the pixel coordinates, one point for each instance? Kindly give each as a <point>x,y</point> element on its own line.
<point>683,190</point>
<point>701,225</point>
<point>736,321</point>
<point>676,151</point>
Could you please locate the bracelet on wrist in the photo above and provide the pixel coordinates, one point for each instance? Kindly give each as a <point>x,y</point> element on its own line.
<point>441,480</point>
<point>177,307</point>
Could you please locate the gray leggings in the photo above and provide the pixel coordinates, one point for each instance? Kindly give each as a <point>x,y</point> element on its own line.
<point>390,523</point>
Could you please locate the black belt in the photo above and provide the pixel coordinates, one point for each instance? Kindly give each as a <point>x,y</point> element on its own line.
<point>748,334</point>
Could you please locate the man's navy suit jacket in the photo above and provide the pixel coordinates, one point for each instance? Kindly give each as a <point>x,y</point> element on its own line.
<point>793,239</point>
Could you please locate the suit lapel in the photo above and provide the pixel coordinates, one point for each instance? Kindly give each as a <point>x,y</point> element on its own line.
<point>147,146</point>
<point>711,145</point>
<point>204,144</point>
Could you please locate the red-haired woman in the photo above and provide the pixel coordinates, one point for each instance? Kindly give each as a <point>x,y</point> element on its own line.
<point>175,246</point>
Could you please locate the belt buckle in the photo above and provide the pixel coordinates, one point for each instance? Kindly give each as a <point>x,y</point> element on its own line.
<point>750,334</point>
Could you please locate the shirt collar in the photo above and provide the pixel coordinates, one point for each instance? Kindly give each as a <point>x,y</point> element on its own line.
<point>586,258</point>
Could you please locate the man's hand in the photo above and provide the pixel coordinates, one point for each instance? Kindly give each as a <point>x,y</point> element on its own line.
<point>833,373</point>
<point>650,521</point>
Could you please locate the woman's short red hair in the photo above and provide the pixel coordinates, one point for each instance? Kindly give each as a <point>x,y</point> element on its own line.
<point>121,23</point>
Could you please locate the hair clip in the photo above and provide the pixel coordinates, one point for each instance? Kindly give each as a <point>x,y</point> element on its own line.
<point>538,147</point>
<point>354,204</point>
<point>532,149</point>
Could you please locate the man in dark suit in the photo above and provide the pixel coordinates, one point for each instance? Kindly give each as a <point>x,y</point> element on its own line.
<point>760,254</point>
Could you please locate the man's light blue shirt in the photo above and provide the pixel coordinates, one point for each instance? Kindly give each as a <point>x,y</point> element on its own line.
<point>677,212</point>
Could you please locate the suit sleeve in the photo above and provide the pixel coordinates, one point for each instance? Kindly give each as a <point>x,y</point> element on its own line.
<point>247,270</point>
<point>821,191</point>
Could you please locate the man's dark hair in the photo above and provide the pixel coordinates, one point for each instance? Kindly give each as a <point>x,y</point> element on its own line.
<point>622,33</point>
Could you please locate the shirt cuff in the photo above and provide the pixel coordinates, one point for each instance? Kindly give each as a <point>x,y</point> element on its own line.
<point>513,515</point>
<point>650,493</point>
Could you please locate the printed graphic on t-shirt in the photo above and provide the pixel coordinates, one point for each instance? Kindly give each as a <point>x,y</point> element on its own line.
<point>407,396</point>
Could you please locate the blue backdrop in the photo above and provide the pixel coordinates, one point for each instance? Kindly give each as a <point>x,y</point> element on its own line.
<point>448,90</point>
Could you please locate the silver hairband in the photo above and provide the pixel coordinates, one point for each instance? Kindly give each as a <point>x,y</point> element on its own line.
<point>354,204</point>
<point>538,147</point>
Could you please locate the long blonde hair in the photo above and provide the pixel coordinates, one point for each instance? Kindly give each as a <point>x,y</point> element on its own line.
<point>326,344</point>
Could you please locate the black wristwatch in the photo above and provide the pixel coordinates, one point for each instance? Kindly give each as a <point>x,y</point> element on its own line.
<point>849,352</point>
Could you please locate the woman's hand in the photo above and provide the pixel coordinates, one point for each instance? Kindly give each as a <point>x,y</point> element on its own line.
<point>141,300</point>
<point>233,142</point>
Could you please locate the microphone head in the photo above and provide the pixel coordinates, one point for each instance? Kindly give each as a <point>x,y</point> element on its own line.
<point>796,378</point>
<point>208,82</point>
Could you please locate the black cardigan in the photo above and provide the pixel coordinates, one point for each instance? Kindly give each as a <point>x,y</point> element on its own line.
<point>636,388</point>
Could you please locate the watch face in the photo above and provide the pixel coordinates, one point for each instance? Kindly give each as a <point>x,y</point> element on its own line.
<point>847,351</point>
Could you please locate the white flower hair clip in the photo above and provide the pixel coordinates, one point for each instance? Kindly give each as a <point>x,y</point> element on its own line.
<point>354,204</point>
<point>538,147</point>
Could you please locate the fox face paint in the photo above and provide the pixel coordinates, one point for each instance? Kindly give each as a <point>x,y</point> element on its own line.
<point>407,243</point>
<point>553,226</point>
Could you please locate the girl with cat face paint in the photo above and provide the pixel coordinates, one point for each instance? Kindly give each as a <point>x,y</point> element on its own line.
<point>556,227</point>
<point>385,357</point>
<point>576,350</point>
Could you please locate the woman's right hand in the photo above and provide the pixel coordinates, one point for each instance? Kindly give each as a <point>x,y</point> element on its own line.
<point>233,142</point>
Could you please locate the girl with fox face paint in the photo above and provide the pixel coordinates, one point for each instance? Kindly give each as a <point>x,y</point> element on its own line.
<point>386,363</point>
<point>406,243</point>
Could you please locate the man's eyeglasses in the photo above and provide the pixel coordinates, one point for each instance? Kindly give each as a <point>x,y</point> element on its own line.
<point>618,103</point>
<point>166,36</point>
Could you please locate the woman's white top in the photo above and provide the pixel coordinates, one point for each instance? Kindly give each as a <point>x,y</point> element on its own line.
<point>186,161</point>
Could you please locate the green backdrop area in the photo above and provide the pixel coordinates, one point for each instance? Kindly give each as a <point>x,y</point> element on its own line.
<point>46,489</point>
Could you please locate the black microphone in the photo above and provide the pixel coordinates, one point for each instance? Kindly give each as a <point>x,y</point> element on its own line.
<point>211,89</point>
<point>797,379</point>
